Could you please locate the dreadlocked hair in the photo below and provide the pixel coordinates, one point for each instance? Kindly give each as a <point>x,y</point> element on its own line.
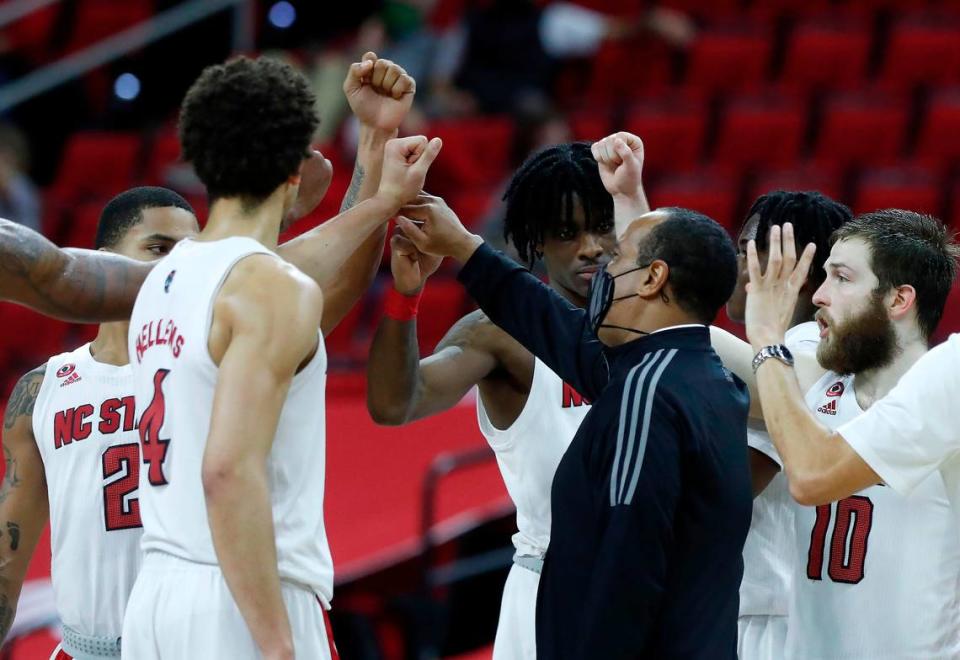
<point>814,217</point>
<point>542,194</point>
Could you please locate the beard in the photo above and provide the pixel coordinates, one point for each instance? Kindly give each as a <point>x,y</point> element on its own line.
<point>862,342</point>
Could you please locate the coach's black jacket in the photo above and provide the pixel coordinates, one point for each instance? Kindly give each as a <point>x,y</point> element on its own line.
<point>651,503</point>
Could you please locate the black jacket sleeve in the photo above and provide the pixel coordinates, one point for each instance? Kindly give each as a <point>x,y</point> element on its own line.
<point>539,318</point>
<point>640,496</point>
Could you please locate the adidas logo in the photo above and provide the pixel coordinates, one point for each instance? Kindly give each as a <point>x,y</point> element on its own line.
<point>829,408</point>
<point>71,379</point>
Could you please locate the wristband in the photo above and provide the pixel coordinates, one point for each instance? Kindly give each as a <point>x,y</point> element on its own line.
<point>400,307</point>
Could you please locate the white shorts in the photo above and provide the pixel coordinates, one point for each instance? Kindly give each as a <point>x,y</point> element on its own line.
<point>517,629</point>
<point>761,637</point>
<point>180,609</point>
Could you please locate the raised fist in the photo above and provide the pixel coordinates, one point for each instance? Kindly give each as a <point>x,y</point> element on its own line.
<point>620,158</point>
<point>379,92</point>
<point>405,164</point>
<point>434,228</point>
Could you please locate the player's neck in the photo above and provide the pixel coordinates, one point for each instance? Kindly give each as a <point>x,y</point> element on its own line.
<point>110,345</point>
<point>571,296</point>
<point>874,384</point>
<point>232,216</point>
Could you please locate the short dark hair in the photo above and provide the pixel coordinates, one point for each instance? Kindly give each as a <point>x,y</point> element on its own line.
<point>701,257</point>
<point>246,126</point>
<point>814,217</point>
<point>126,210</point>
<point>540,197</point>
<point>909,248</point>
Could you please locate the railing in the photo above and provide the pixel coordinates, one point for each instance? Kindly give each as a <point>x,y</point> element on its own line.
<point>118,45</point>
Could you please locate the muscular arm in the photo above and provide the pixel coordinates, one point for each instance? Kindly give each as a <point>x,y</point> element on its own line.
<point>343,286</point>
<point>23,497</point>
<point>402,388</point>
<point>270,315</point>
<point>73,285</point>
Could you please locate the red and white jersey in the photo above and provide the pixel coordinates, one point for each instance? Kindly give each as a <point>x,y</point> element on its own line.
<point>83,422</point>
<point>529,451</point>
<point>877,574</point>
<point>175,380</point>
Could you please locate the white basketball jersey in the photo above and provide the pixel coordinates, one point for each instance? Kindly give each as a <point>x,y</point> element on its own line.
<point>768,550</point>
<point>529,451</point>
<point>83,422</point>
<point>175,380</point>
<point>878,574</point>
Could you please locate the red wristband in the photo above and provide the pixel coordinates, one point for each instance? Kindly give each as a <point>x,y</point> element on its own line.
<point>400,307</point>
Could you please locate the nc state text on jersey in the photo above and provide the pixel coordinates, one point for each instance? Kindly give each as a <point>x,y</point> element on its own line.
<point>159,333</point>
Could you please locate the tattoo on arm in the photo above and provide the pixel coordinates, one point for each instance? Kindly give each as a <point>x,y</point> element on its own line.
<point>350,199</point>
<point>14,530</point>
<point>6,615</point>
<point>23,397</point>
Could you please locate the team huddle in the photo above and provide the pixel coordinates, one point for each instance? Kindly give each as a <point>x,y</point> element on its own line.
<point>679,492</point>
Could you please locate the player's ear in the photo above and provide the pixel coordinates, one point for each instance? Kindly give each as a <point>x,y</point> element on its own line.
<point>900,301</point>
<point>654,279</point>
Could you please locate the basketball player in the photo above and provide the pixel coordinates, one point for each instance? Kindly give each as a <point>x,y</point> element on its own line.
<point>225,348</point>
<point>767,567</point>
<point>93,286</point>
<point>72,450</point>
<point>875,574</point>
<point>557,209</point>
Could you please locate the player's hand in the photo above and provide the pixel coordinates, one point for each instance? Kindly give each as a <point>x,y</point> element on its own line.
<point>772,294</point>
<point>410,266</point>
<point>379,92</point>
<point>620,159</point>
<point>435,229</point>
<point>405,165</point>
<point>316,174</point>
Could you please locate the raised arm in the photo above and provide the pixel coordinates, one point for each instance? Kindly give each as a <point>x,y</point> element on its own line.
<point>401,387</point>
<point>529,311</point>
<point>72,285</point>
<point>380,94</point>
<point>23,497</point>
<point>620,159</point>
<point>820,466</point>
<point>270,314</point>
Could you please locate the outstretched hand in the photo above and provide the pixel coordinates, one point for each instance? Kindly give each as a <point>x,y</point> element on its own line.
<point>435,229</point>
<point>772,294</point>
<point>405,165</point>
<point>316,173</point>
<point>380,92</point>
<point>620,158</point>
<point>410,267</point>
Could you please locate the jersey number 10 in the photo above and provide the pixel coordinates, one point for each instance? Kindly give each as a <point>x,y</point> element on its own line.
<point>848,545</point>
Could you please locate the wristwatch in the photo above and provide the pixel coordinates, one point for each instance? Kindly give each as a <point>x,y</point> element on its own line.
<point>778,352</point>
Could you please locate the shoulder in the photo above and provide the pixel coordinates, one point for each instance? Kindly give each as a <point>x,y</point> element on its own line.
<point>24,397</point>
<point>266,283</point>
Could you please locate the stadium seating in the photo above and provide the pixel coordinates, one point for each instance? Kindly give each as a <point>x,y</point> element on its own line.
<point>729,59</point>
<point>673,132</point>
<point>761,130</point>
<point>861,128</point>
<point>902,188</point>
<point>710,192</point>
<point>831,54</point>
<point>938,141</point>
<point>923,50</point>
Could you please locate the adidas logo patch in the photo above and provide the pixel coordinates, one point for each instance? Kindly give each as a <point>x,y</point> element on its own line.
<point>829,408</point>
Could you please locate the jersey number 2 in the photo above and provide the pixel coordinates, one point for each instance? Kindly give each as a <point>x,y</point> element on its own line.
<point>848,545</point>
<point>116,459</point>
<point>153,448</point>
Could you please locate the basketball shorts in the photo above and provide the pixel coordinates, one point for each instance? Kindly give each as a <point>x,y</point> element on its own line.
<point>517,629</point>
<point>761,637</point>
<point>179,609</point>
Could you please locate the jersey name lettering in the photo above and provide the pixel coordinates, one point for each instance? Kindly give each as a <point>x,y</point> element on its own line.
<point>159,333</point>
<point>77,423</point>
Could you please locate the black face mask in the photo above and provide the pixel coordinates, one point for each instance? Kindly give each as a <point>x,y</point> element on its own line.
<point>601,299</point>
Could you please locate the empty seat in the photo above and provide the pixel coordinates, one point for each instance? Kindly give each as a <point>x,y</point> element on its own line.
<point>476,151</point>
<point>672,132</point>
<point>938,142</point>
<point>590,126</point>
<point>712,193</point>
<point>826,53</point>
<point>901,188</point>
<point>867,128</point>
<point>825,180</point>
<point>727,59</point>
<point>923,50</point>
<point>950,323</point>
<point>96,164</point>
<point>761,130</point>
<point>28,338</point>
<point>81,226</point>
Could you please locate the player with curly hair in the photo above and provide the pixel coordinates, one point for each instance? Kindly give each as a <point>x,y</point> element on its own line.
<point>230,372</point>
